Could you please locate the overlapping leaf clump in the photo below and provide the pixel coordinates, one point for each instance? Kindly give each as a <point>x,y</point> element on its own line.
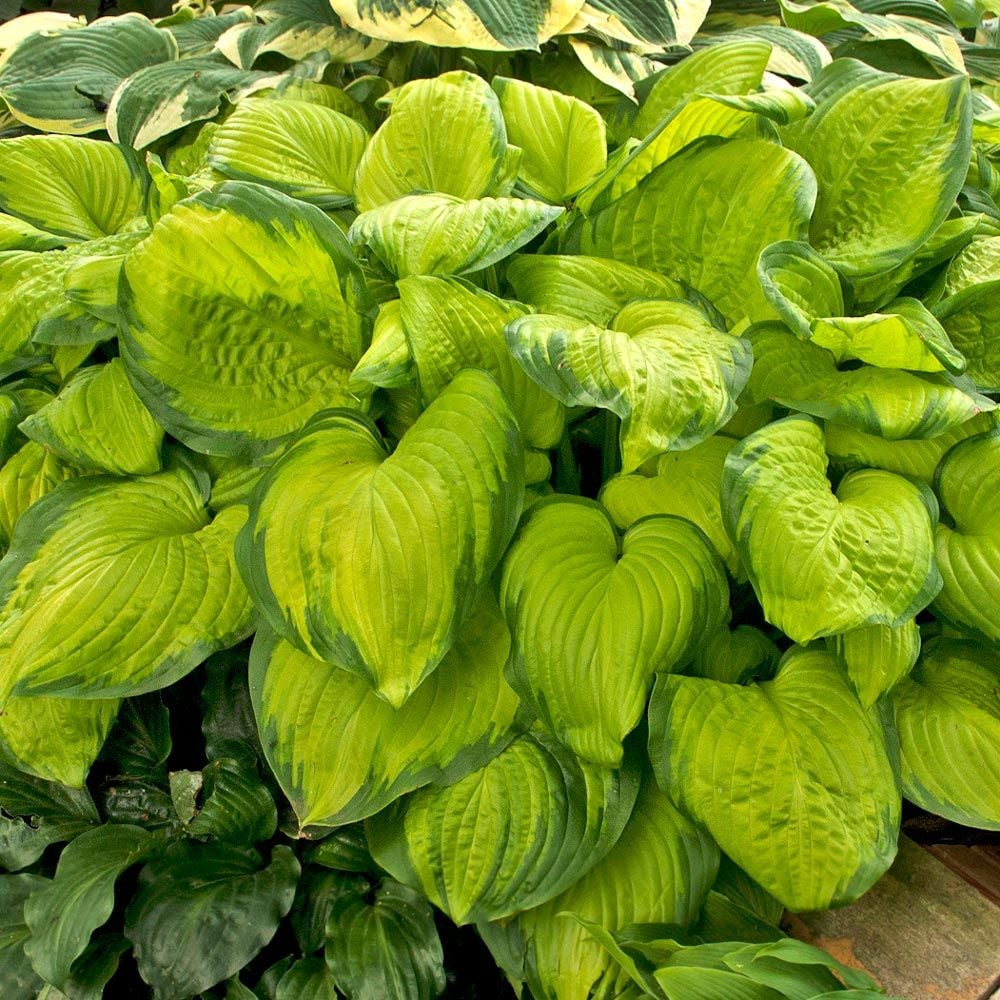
<point>589,456</point>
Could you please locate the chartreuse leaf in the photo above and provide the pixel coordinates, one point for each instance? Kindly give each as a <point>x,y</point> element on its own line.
<point>850,448</point>
<point>31,473</point>
<point>821,562</point>
<point>891,403</point>
<point>17,977</point>
<point>428,121</point>
<point>806,292</point>
<point>791,777</point>
<point>880,200</point>
<point>305,150</point>
<point>57,739</point>
<point>16,234</point>
<point>736,180</point>
<point>968,545</point>
<point>686,484</point>
<point>341,753</point>
<point>430,522</point>
<point>473,24</point>
<point>244,312</point>
<point>660,871</point>
<point>62,80</point>
<point>115,587</point>
<point>509,836</point>
<point>439,234</point>
<point>388,947</point>
<point>562,140</point>
<point>296,29</point>
<point>971,318</point>
<point>589,288</point>
<point>97,423</point>
<point>81,189</point>
<point>201,913</point>
<point>63,913</point>
<point>662,367</point>
<point>387,362</point>
<point>947,715</point>
<point>876,657</point>
<point>450,325</point>
<point>735,67</point>
<point>593,618</point>
<point>736,657</point>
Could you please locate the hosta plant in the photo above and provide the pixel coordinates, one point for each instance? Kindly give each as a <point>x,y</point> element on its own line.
<point>511,481</point>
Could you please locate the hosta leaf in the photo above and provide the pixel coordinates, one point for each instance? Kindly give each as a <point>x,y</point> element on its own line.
<point>64,913</point>
<point>203,912</point>
<point>17,977</point>
<point>78,188</point>
<point>509,836</point>
<point>880,200</point>
<point>62,80</point>
<point>660,871</point>
<point>948,718</point>
<point>877,657</point>
<point>116,587</point>
<point>589,288</point>
<point>686,484</point>
<point>660,24</point>
<point>738,656</point>
<point>198,35</point>
<point>971,319</point>
<point>849,448</point>
<point>237,808</point>
<point>473,24</point>
<point>671,376</point>
<point>433,518</point>
<point>341,753</point>
<point>614,66</point>
<point>978,262</point>
<point>967,483</point>
<point>304,150</point>
<point>387,362</point>
<point>893,404</point>
<point>296,29</point>
<point>27,476</point>
<point>735,67</point>
<point>736,180</point>
<point>450,325</point>
<point>16,234</point>
<point>791,777</point>
<point>315,896</point>
<point>24,795</point>
<point>820,562</point>
<point>438,234</point>
<point>806,293</point>
<point>793,53</point>
<point>162,99</point>
<point>414,150</point>
<point>244,312</point>
<point>562,140</point>
<point>57,738</point>
<point>97,423</point>
<point>307,979</point>
<point>594,618</point>
<point>386,948</point>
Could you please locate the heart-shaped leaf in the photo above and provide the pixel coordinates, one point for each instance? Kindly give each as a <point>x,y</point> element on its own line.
<point>877,657</point>
<point>509,836</point>
<point>948,718</point>
<point>968,549</point>
<point>593,618</point>
<point>659,872</point>
<point>439,234</point>
<point>791,777</point>
<point>429,522</point>
<point>894,404</point>
<point>663,368</point>
<point>341,753</point>
<point>244,311</point>
<point>117,587</point>
<point>823,563</point>
<point>754,192</point>
<point>879,201</point>
<point>450,325</point>
<point>686,484</point>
